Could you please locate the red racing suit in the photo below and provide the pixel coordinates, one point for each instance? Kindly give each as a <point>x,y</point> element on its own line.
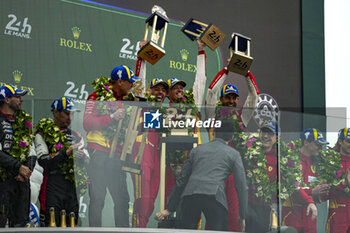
<point>339,205</point>
<point>147,185</point>
<point>294,209</point>
<point>244,115</point>
<point>104,172</point>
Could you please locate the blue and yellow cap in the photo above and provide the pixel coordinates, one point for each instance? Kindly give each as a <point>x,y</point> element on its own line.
<point>157,81</point>
<point>313,135</point>
<point>64,104</point>
<point>271,125</point>
<point>8,90</point>
<point>173,81</point>
<point>229,88</point>
<point>344,133</point>
<point>123,72</point>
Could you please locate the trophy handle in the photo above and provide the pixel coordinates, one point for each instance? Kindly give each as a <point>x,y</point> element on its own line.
<point>164,34</point>
<point>146,31</point>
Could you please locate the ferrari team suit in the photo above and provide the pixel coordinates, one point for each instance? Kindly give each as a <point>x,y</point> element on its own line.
<point>339,205</point>
<point>243,115</point>
<point>258,218</point>
<point>147,185</point>
<point>104,172</point>
<point>294,209</point>
<point>56,191</point>
<point>14,195</point>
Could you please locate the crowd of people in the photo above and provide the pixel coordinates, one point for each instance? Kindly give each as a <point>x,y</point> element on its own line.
<point>238,180</point>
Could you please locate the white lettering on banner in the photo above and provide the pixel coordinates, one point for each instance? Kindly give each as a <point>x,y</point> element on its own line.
<point>129,51</point>
<point>76,93</point>
<point>192,123</point>
<point>18,28</point>
<point>82,207</point>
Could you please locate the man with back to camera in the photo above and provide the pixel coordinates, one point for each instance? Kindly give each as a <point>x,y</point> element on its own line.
<point>201,184</point>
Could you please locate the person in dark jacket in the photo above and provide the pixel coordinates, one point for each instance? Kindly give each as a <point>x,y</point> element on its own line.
<point>201,185</point>
<point>14,180</point>
<point>58,190</point>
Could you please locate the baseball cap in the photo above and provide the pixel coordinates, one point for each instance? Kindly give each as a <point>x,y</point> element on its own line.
<point>313,135</point>
<point>271,125</point>
<point>344,133</point>
<point>64,104</point>
<point>229,88</point>
<point>173,81</point>
<point>9,90</point>
<point>123,72</point>
<point>157,81</point>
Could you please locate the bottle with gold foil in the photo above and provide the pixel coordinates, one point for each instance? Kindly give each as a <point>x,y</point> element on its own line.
<point>63,218</point>
<point>52,222</point>
<point>72,219</point>
<point>274,220</point>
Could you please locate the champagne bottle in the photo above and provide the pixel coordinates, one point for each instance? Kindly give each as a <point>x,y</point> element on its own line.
<point>63,218</point>
<point>72,219</point>
<point>52,222</point>
<point>274,220</point>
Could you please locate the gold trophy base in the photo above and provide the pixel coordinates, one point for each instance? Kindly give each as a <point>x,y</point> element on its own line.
<point>151,52</point>
<point>240,63</point>
<point>212,36</point>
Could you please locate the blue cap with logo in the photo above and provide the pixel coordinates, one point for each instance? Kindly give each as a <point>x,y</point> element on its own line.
<point>157,81</point>
<point>344,133</point>
<point>173,81</point>
<point>8,90</point>
<point>313,135</point>
<point>228,89</point>
<point>123,72</point>
<point>64,104</point>
<point>271,125</point>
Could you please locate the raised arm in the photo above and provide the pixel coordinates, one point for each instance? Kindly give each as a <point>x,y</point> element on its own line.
<point>252,99</point>
<point>201,75</point>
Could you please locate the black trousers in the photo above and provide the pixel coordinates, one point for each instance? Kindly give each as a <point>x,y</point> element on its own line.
<point>258,218</point>
<point>105,172</point>
<point>192,207</point>
<point>14,202</point>
<point>61,195</point>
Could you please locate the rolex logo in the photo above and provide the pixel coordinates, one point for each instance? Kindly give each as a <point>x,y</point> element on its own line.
<point>76,32</point>
<point>184,54</point>
<point>17,75</point>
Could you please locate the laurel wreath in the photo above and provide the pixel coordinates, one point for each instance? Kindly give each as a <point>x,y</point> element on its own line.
<point>57,141</point>
<point>22,139</point>
<point>257,178</point>
<point>328,168</point>
<point>107,104</point>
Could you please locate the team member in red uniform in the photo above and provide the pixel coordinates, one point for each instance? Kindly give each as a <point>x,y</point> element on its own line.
<point>258,219</point>
<point>146,185</point>
<point>229,97</point>
<point>143,207</point>
<point>105,172</point>
<point>296,211</point>
<point>339,203</point>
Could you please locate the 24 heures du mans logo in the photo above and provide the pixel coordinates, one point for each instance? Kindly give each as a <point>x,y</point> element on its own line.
<point>18,27</point>
<point>182,64</point>
<point>75,43</point>
<point>17,78</point>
